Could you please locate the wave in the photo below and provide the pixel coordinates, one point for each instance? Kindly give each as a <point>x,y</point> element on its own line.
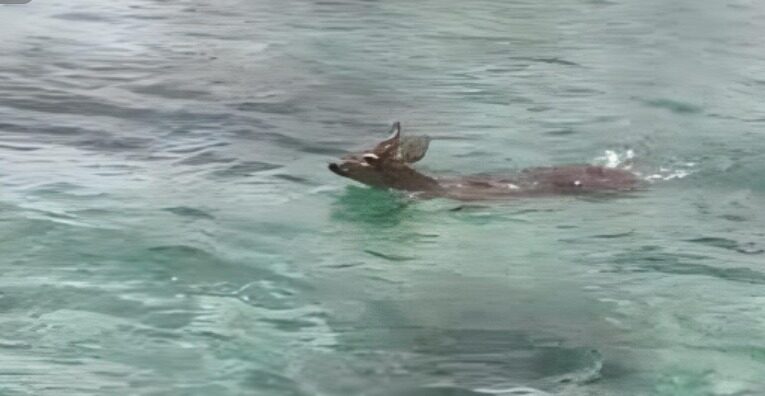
<point>625,159</point>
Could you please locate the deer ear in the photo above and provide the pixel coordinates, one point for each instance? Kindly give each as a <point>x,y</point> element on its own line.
<point>395,131</point>
<point>371,159</point>
<point>388,148</point>
<point>413,148</point>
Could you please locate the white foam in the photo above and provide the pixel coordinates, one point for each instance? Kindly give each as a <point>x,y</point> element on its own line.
<point>624,160</point>
<point>525,391</point>
<point>678,171</point>
<point>614,159</point>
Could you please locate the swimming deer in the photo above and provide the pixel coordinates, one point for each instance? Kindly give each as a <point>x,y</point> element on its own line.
<point>388,165</point>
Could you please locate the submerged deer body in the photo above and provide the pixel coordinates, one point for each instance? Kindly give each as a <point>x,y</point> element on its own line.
<point>387,165</point>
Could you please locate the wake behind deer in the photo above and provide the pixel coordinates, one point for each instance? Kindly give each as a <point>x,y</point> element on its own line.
<point>389,165</point>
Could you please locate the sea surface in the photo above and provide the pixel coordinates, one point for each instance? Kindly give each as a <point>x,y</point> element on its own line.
<point>168,225</point>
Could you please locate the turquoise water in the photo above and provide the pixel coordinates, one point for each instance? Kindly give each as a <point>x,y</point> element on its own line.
<point>168,225</point>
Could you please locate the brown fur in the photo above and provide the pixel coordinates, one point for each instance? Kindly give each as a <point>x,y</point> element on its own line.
<point>386,166</point>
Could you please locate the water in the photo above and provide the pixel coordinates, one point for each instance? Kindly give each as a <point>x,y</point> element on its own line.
<point>168,225</point>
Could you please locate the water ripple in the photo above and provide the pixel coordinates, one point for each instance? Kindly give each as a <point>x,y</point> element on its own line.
<point>724,243</point>
<point>168,225</point>
<point>667,263</point>
<point>186,211</point>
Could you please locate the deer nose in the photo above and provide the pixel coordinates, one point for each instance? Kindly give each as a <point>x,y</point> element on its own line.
<point>335,168</point>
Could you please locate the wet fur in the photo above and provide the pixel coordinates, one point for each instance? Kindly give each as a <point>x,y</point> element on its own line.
<point>386,166</point>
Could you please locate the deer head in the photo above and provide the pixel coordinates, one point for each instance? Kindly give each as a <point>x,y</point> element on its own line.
<point>387,164</point>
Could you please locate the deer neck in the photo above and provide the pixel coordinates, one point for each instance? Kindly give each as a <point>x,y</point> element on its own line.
<point>408,179</point>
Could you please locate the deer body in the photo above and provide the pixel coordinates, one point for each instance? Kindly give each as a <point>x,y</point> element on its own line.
<point>387,165</point>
